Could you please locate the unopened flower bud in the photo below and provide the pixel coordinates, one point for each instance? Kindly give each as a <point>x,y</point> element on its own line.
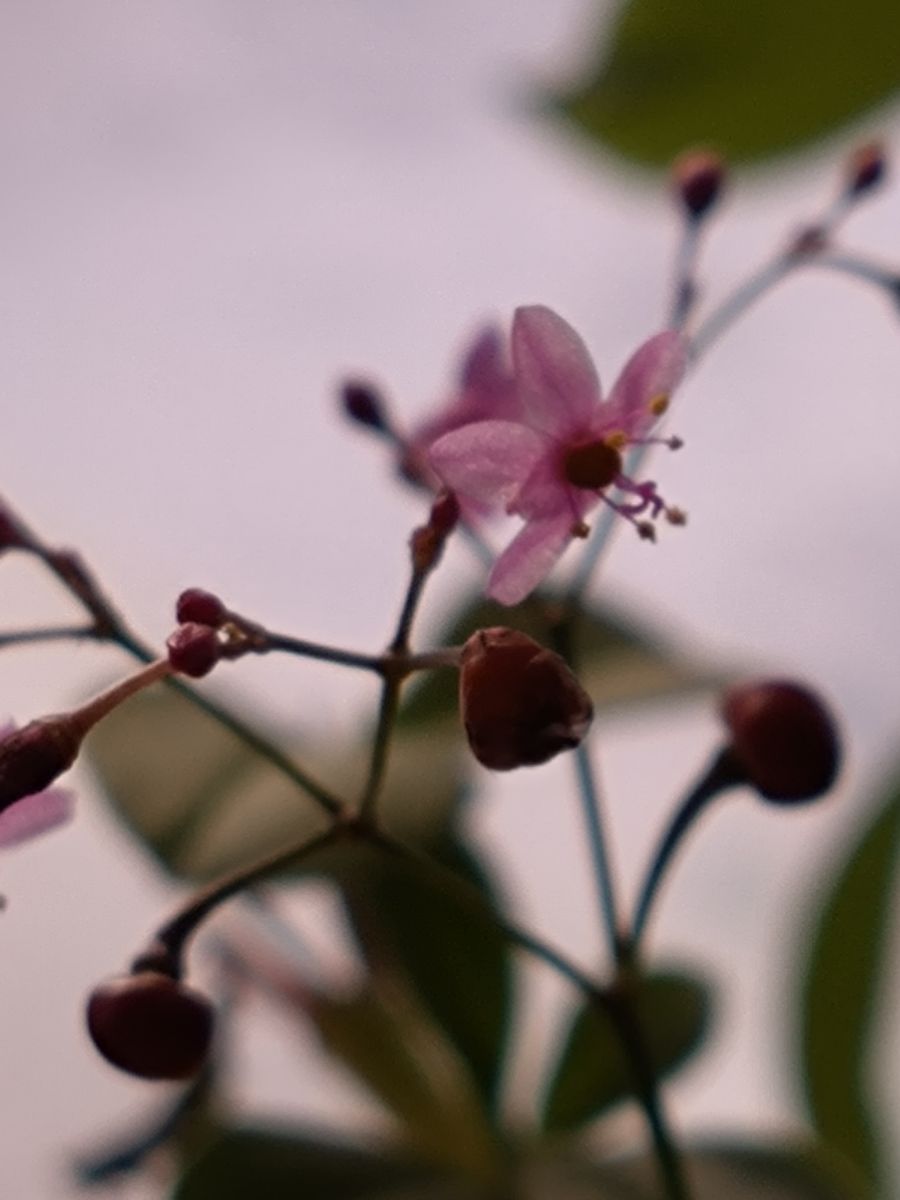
<point>32,757</point>
<point>427,542</point>
<point>363,403</point>
<point>520,703</point>
<point>11,534</point>
<point>151,1025</point>
<point>866,168</point>
<point>198,607</point>
<point>698,177</point>
<point>194,649</point>
<point>783,738</point>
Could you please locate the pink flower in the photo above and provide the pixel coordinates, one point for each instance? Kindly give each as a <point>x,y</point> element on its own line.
<point>485,390</point>
<point>35,814</point>
<point>557,460</point>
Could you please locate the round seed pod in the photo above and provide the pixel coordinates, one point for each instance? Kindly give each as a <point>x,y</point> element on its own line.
<point>151,1025</point>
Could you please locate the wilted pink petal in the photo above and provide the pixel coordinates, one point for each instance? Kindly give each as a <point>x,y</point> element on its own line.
<point>487,461</point>
<point>528,558</point>
<point>650,375</point>
<point>35,815</point>
<point>557,380</point>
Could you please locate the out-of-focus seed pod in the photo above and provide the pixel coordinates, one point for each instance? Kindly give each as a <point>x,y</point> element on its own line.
<point>698,177</point>
<point>866,168</point>
<point>784,738</point>
<point>151,1025</point>
<point>520,703</point>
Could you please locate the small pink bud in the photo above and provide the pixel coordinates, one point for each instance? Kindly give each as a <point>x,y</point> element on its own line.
<point>866,168</point>
<point>151,1025</point>
<point>363,403</point>
<point>784,738</point>
<point>194,649</point>
<point>698,177</point>
<point>198,607</point>
<point>32,757</point>
<point>520,703</point>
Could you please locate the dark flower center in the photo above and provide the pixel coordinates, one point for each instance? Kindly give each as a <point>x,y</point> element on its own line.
<point>593,465</point>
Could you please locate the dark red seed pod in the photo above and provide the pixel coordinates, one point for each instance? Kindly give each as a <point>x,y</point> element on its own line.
<point>698,177</point>
<point>151,1025</point>
<point>194,649</point>
<point>784,738</point>
<point>201,608</point>
<point>520,703</point>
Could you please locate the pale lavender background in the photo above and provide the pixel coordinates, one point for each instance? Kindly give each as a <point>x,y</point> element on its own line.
<point>211,211</point>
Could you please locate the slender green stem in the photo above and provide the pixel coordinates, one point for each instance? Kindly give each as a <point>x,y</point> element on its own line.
<point>741,299</point>
<point>468,895</point>
<point>300,646</point>
<point>603,876</point>
<point>722,773</point>
<point>169,941</point>
<point>684,289</point>
<point>619,1005</point>
<point>381,742</point>
<point>49,633</point>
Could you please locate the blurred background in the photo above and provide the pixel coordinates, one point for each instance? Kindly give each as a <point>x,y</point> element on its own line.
<point>211,214</point>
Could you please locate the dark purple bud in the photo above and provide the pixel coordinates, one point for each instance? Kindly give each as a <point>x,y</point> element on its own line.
<point>520,703</point>
<point>364,404</point>
<point>698,177</point>
<point>783,738</point>
<point>151,1025</point>
<point>33,757</point>
<point>866,168</point>
<point>194,649</point>
<point>198,607</point>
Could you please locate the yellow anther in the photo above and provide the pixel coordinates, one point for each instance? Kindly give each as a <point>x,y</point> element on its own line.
<point>580,530</point>
<point>617,440</point>
<point>659,404</point>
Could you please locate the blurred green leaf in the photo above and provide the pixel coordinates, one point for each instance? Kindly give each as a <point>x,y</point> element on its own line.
<point>620,662</point>
<point>752,78</point>
<point>734,1171</point>
<point>592,1072</point>
<point>203,803</point>
<point>845,970</point>
<point>385,1037</point>
<point>458,962</point>
<point>269,1164</point>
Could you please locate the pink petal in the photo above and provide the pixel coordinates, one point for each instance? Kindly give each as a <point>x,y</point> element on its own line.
<point>487,461</point>
<point>655,369</point>
<point>37,814</point>
<point>482,364</point>
<point>557,381</point>
<point>528,558</point>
